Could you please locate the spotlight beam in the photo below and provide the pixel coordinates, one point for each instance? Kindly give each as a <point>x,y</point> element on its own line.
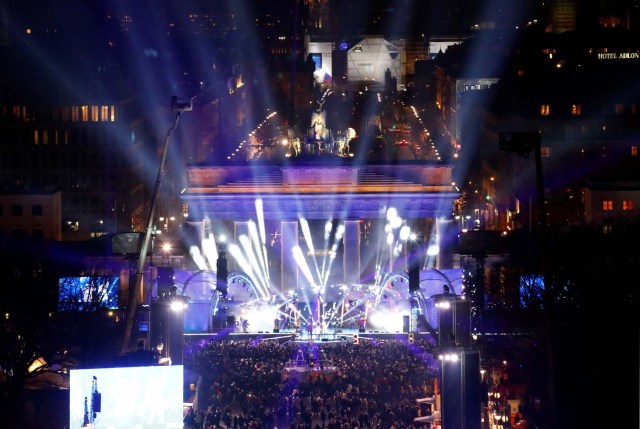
<point>306,232</point>
<point>255,267</point>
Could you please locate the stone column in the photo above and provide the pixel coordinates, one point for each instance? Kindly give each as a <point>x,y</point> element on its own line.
<point>351,254</point>
<point>445,237</point>
<point>288,268</point>
<point>239,228</point>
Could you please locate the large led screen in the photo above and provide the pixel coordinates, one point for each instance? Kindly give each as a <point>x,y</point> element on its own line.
<point>148,397</point>
<point>88,293</point>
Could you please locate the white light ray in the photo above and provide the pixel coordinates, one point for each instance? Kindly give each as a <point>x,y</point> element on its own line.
<point>257,250</point>
<point>306,232</point>
<point>327,230</point>
<point>334,250</point>
<point>197,257</point>
<point>298,256</point>
<point>263,235</point>
<point>405,233</point>
<point>328,226</point>
<point>245,242</point>
<point>234,250</point>
<point>210,250</point>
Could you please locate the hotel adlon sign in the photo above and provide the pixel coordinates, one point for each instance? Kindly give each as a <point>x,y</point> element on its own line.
<point>618,55</point>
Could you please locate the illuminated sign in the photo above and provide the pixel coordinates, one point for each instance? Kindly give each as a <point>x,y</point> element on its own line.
<point>619,56</point>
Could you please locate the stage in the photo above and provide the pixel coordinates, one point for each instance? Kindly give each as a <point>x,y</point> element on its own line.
<point>351,336</point>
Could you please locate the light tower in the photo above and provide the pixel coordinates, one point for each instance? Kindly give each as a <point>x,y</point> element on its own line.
<point>459,363</point>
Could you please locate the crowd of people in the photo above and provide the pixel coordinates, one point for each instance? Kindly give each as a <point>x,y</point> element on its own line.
<point>372,384</point>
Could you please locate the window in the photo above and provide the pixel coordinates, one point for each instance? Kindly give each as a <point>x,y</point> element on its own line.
<point>607,228</point>
<point>36,210</point>
<point>634,151</point>
<point>16,210</point>
<point>37,234</point>
<point>607,205</point>
<point>545,110</point>
<point>17,233</point>
<point>64,113</point>
<point>627,205</point>
<point>75,113</point>
<point>95,111</point>
<point>618,108</point>
<point>104,113</point>
<point>576,109</point>
<point>85,113</point>
<point>545,151</point>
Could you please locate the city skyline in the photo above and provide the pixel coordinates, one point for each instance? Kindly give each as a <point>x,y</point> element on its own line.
<point>536,224</point>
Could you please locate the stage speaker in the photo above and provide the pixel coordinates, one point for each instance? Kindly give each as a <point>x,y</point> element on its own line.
<point>361,330</point>
<point>454,323</point>
<point>414,278</point>
<point>405,323</point>
<point>414,267</point>
<point>275,331</point>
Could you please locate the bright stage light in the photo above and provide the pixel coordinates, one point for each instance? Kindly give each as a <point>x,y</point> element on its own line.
<point>433,250</point>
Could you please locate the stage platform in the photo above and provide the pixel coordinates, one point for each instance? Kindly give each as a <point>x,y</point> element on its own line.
<point>326,338</point>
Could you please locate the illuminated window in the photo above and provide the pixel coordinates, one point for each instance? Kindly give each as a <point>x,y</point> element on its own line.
<point>545,110</point>
<point>634,151</point>
<point>85,113</point>
<point>619,108</point>
<point>627,205</point>
<point>75,113</point>
<point>104,113</point>
<point>95,110</point>
<point>607,228</point>
<point>520,72</point>
<point>36,137</point>
<point>545,151</point>
<point>113,113</point>
<point>607,205</point>
<point>45,137</point>
<point>576,109</point>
